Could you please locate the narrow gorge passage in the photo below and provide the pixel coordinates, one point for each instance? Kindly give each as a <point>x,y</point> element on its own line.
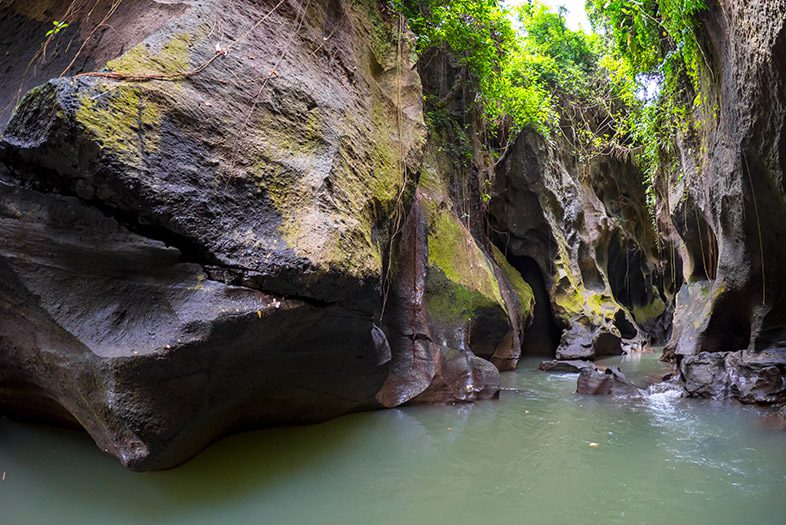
<point>392,261</point>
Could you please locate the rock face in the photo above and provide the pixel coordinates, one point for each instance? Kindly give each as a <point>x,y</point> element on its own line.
<point>749,377</point>
<point>593,381</point>
<point>589,239</point>
<point>433,307</point>
<point>221,230</point>
<point>571,367</point>
<point>202,253</point>
<point>217,216</point>
<point>457,309</point>
<point>726,213</point>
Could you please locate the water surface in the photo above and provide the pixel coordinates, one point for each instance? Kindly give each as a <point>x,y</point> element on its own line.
<point>525,459</point>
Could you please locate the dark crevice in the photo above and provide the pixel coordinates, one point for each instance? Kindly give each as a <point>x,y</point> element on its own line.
<point>593,280</point>
<point>607,345</point>
<point>700,241</point>
<point>48,181</point>
<point>625,270</point>
<point>626,328</point>
<point>729,328</point>
<point>543,336</point>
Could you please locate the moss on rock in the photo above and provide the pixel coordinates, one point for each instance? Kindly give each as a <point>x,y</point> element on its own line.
<point>171,58</point>
<point>461,279</point>
<point>649,312</point>
<point>121,118</point>
<point>520,287</point>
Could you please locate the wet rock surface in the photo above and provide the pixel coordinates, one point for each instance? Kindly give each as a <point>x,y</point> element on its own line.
<point>571,367</point>
<point>749,377</point>
<point>595,381</point>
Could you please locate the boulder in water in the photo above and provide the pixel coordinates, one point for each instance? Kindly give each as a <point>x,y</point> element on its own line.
<point>750,377</point>
<point>605,382</point>
<point>571,367</point>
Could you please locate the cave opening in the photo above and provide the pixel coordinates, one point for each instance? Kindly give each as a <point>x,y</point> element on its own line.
<point>543,335</point>
<point>626,277</point>
<point>729,327</point>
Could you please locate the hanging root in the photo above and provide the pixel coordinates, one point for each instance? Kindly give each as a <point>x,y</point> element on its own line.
<point>758,228</point>
<point>166,77</point>
<point>398,211</point>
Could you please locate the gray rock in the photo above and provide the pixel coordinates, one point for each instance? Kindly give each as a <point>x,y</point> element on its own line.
<point>194,255</point>
<point>725,208</point>
<point>173,267</point>
<point>753,378</point>
<point>571,367</point>
<point>605,382</point>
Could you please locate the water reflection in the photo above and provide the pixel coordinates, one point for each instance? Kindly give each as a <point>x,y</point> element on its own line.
<point>526,458</point>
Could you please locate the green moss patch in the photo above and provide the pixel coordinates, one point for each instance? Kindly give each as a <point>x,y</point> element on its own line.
<point>520,287</point>
<point>649,312</point>
<point>124,120</point>
<point>171,59</point>
<point>461,280</point>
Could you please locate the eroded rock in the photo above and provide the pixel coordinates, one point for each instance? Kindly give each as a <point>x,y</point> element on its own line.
<point>218,231</point>
<point>571,367</point>
<point>749,377</point>
<point>594,381</point>
<point>576,230</point>
<point>724,208</point>
<point>189,255</point>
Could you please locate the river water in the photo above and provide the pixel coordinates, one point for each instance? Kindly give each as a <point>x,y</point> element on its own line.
<point>525,459</point>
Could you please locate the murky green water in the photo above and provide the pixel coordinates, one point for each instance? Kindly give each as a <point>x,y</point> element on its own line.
<point>525,459</point>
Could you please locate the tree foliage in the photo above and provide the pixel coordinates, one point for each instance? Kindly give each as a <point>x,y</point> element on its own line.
<point>657,40</point>
<point>529,66</point>
<point>656,37</point>
<point>596,90</point>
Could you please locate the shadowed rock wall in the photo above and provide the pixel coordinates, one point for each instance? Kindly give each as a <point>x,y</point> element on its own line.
<point>201,235</point>
<point>728,211</point>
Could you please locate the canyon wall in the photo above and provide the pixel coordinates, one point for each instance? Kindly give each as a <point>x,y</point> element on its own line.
<point>211,221</point>
<point>218,216</point>
<point>726,208</point>
<point>584,231</point>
